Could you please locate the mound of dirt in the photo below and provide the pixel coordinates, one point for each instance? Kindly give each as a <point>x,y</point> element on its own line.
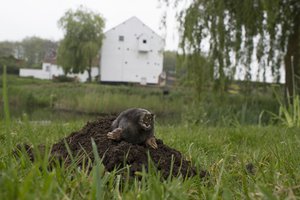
<point>117,154</point>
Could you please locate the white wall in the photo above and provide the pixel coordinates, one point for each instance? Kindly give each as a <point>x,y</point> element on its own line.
<point>36,73</point>
<point>49,70</point>
<point>131,60</point>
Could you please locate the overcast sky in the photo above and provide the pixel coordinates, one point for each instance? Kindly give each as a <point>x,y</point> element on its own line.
<point>25,18</point>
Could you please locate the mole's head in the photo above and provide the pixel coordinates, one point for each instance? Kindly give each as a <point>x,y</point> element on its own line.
<point>148,120</point>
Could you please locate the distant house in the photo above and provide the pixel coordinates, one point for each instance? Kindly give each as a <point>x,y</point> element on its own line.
<point>131,52</point>
<point>51,70</point>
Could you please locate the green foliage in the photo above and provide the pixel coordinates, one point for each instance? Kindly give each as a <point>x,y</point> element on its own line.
<point>44,100</point>
<point>82,40</point>
<point>196,73</point>
<point>243,162</point>
<point>5,98</point>
<point>28,53</point>
<point>35,50</point>
<point>12,64</point>
<point>231,109</point>
<point>289,114</point>
<point>6,48</point>
<point>27,95</point>
<point>169,62</point>
<point>64,78</point>
<point>232,27</point>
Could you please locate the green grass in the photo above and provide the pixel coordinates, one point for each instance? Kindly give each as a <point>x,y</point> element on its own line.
<point>224,152</point>
<point>289,115</point>
<point>244,161</point>
<point>5,97</point>
<point>35,97</point>
<point>28,94</point>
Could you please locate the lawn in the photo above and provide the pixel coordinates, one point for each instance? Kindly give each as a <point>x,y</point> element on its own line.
<point>244,162</point>
<point>247,154</point>
<point>28,95</point>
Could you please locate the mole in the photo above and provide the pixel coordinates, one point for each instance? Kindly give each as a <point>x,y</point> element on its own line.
<point>134,125</point>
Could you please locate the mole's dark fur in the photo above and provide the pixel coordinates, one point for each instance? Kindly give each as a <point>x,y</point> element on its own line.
<point>135,125</point>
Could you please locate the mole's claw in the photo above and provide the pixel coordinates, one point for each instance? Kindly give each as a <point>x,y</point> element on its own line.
<point>110,135</point>
<point>154,146</point>
<point>152,143</point>
<point>115,134</point>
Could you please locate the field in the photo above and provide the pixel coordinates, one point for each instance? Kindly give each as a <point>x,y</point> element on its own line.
<point>31,96</point>
<point>248,156</point>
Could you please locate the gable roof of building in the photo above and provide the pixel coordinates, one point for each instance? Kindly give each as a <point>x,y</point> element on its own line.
<point>130,19</point>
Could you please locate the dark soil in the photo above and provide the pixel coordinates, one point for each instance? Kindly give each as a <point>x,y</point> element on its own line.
<point>117,154</point>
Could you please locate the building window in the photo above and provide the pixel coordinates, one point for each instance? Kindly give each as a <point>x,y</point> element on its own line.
<point>144,41</point>
<point>47,68</point>
<point>121,38</point>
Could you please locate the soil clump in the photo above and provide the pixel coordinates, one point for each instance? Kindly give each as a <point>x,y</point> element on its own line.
<point>116,155</point>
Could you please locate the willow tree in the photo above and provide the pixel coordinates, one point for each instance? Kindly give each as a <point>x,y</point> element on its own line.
<point>83,34</point>
<point>238,30</point>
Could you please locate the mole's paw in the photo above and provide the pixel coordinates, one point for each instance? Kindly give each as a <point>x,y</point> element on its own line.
<point>152,143</point>
<point>111,136</point>
<point>115,134</point>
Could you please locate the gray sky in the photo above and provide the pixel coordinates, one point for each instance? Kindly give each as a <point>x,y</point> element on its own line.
<point>25,18</point>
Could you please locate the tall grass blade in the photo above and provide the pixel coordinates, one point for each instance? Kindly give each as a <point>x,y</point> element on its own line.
<point>289,113</point>
<point>5,98</point>
<point>218,185</point>
<point>99,182</point>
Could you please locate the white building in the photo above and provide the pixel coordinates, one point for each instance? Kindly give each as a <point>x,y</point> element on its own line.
<point>131,52</point>
<point>50,70</point>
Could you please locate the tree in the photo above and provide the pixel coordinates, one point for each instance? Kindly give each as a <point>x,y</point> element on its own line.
<point>35,50</point>
<point>6,49</point>
<point>169,61</point>
<point>83,34</point>
<point>30,52</point>
<point>237,30</point>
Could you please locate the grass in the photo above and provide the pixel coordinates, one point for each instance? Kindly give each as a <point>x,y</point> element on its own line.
<point>289,115</point>
<point>244,162</point>
<point>26,94</point>
<point>40,98</point>
<point>231,109</point>
<point>5,97</point>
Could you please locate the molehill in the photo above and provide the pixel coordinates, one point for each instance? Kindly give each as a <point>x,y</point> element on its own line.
<point>117,154</point>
